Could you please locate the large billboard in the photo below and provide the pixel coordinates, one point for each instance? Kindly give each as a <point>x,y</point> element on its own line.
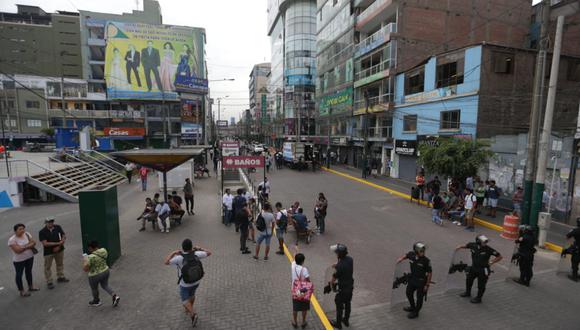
<point>144,61</point>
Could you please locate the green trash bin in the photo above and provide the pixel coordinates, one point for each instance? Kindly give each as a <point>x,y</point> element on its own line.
<point>100,219</point>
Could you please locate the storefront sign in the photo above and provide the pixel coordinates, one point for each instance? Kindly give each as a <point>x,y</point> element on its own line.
<point>124,131</point>
<point>243,161</point>
<point>190,110</point>
<point>230,148</point>
<point>405,147</point>
<point>190,130</point>
<point>222,123</point>
<point>341,97</point>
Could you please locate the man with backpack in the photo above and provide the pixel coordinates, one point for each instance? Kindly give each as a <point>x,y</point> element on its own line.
<point>265,226</point>
<point>190,272</point>
<point>281,224</point>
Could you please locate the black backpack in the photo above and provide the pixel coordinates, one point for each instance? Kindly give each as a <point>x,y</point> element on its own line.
<point>283,222</point>
<point>260,223</point>
<point>192,269</point>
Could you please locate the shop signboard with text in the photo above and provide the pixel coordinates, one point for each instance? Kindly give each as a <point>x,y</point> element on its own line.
<point>243,162</point>
<point>124,131</point>
<point>230,148</point>
<point>406,147</point>
<point>338,101</point>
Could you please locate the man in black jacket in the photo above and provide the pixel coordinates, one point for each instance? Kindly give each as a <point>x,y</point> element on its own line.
<point>151,61</point>
<point>132,59</point>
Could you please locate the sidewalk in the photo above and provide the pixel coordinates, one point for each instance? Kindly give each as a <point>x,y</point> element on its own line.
<point>556,235</point>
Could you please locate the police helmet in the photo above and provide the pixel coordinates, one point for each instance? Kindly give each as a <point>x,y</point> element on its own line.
<point>339,249</point>
<point>419,247</point>
<point>525,229</point>
<point>481,239</point>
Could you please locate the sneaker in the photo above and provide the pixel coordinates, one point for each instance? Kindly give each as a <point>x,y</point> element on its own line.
<point>246,252</point>
<point>465,295</point>
<point>458,223</point>
<point>336,324</point>
<point>280,252</point>
<point>408,309</point>
<point>256,257</point>
<point>166,230</point>
<point>573,278</point>
<point>116,300</point>
<point>413,315</point>
<point>63,280</point>
<point>50,286</point>
<point>345,321</point>
<point>476,300</point>
<point>266,258</point>
<point>455,222</point>
<point>142,229</point>
<point>194,320</point>
<point>95,303</point>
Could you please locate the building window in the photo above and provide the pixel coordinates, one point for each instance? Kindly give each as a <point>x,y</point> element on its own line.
<point>448,75</point>
<point>502,62</point>
<point>33,104</point>
<point>10,123</point>
<point>34,123</point>
<point>450,119</point>
<point>574,70</point>
<point>410,123</point>
<point>415,82</point>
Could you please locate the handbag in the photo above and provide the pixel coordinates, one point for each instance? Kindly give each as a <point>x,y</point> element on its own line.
<point>33,249</point>
<point>302,290</point>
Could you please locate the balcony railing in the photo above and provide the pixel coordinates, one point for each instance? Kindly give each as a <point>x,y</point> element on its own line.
<point>371,9</point>
<point>385,64</point>
<point>373,40</point>
<point>381,132</point>
<point>375,100</point>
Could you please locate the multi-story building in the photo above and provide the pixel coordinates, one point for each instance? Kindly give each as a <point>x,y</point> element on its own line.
<point>34,42</point>
<point>292,31</point>
<point>334,60</point>
<point>258,87</point>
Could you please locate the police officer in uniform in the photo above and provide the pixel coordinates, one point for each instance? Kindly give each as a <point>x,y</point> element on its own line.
<point>418,280</point>
<point>480,266</point>
<point>525,255</point>
<point>343,283</point>
<point>574,250</point>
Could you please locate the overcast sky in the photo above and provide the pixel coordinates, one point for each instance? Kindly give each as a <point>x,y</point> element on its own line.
<point>236,36</point>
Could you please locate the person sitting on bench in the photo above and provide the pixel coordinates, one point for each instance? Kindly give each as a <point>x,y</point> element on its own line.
<point>175,206</point>
<point>200,170</point>
<point>148,214</point>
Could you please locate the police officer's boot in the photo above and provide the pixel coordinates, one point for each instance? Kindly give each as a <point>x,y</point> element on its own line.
<point>413,315</point>
<point>573,277</point>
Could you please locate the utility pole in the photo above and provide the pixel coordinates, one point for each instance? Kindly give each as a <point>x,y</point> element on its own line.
<point>218,121</point>
<point>547,129</point>
<point>299,111</point>
<point>62,88</point>
<point>5,108</point>
<point>328,141</point>
<point>366,135</point>
<point>538,95</point>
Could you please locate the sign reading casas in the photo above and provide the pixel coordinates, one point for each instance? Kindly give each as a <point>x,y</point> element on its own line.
<point>343,97</point>
<point>124,131</point>
<point>144,61</point>
<point>406,147</point>
<point>243,161</point>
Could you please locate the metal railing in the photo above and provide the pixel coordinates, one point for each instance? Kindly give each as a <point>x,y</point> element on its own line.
<point>103,160</point>
<point>29,168</point>
<point>380,132</point>
<point>69,167</point>
<point>98,167</point>
<point>389,28</point>
<point>385,64</point>
<point>375,100</point>
<point>371,9</point>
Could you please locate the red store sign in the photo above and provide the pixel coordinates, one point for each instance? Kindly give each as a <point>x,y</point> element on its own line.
<point>124,131</point>
<point>243,162</point>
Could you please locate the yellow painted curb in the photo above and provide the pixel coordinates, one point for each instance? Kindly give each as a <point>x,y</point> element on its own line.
<point>317,308</point>
<point>481,222</point>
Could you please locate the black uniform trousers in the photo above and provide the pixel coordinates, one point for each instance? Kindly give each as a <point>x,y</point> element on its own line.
<point>526,264</point>
<point>342,301</point>
<point>481,276</point>
<point>575,262</point>
<point>419,287</point>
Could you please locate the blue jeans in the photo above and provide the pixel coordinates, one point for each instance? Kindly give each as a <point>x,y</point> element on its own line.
<point>187,292</point>
<point>144,184</point>
<point>435,216</point>
<point>24,267</point>
<point>227,217</point>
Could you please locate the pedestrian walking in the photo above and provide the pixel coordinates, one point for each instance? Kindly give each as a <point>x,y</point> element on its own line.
<point>480,266</point>
<point>265,226</point>
<point>419,278</point>
<point>23,251</point>
<point>95,264</point>
<point>215,160</point>
<point>281,225</point>
<point>470,205</point>
<point>420,182</point>
<point>189,273</point>
<point>320,213</point>
<point>129,171</point>
<point>268,161</point>
<point>188,195</point>
<point>517,199</point>
<point>143,176</point>
<point>343,281</point>
<point>227,203</point>
<point>302,289</point>
<point>52,238</point>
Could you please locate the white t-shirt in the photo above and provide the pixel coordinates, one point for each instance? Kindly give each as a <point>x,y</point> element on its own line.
<point>279,214</point>
<point>269,219</point>
<point>267,186</point>
<point>20,241</point>
<point>298,270</point>
<point>178,261</point>
<point>227,200</point>
<point>469,200</point>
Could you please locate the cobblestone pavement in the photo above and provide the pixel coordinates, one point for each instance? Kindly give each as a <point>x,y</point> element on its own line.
<point>237,291</point>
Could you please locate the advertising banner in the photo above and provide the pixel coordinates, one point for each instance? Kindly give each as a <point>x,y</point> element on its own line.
<point>243,161</point>
<point>230,148</point>
<point>222,123</point>
<point>190,130</point>
<point>190,110</point>
<point>124,131</point>
<point>144,61</point>
<point>340,99</point>
<point>406,147</point>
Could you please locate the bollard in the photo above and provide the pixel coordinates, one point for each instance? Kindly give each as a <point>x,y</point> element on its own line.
<point>544,221</point>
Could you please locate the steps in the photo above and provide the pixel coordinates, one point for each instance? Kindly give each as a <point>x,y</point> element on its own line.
<point>67,182</point>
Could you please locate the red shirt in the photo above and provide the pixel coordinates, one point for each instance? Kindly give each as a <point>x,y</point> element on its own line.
<point>143,172</point>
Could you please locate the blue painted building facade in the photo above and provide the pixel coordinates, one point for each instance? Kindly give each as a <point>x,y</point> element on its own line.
<point>446,105</point>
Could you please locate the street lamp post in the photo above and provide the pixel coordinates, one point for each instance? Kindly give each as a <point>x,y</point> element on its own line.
<point>366,135</point>
<point>219,114</point>
<point>62,54</point>
<point>328,141</point>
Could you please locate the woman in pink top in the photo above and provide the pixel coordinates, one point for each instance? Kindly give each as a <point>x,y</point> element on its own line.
<point>23,250</point>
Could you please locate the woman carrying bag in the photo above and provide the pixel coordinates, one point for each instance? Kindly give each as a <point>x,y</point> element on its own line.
<point>302,289</point>
<point>23,250</point>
